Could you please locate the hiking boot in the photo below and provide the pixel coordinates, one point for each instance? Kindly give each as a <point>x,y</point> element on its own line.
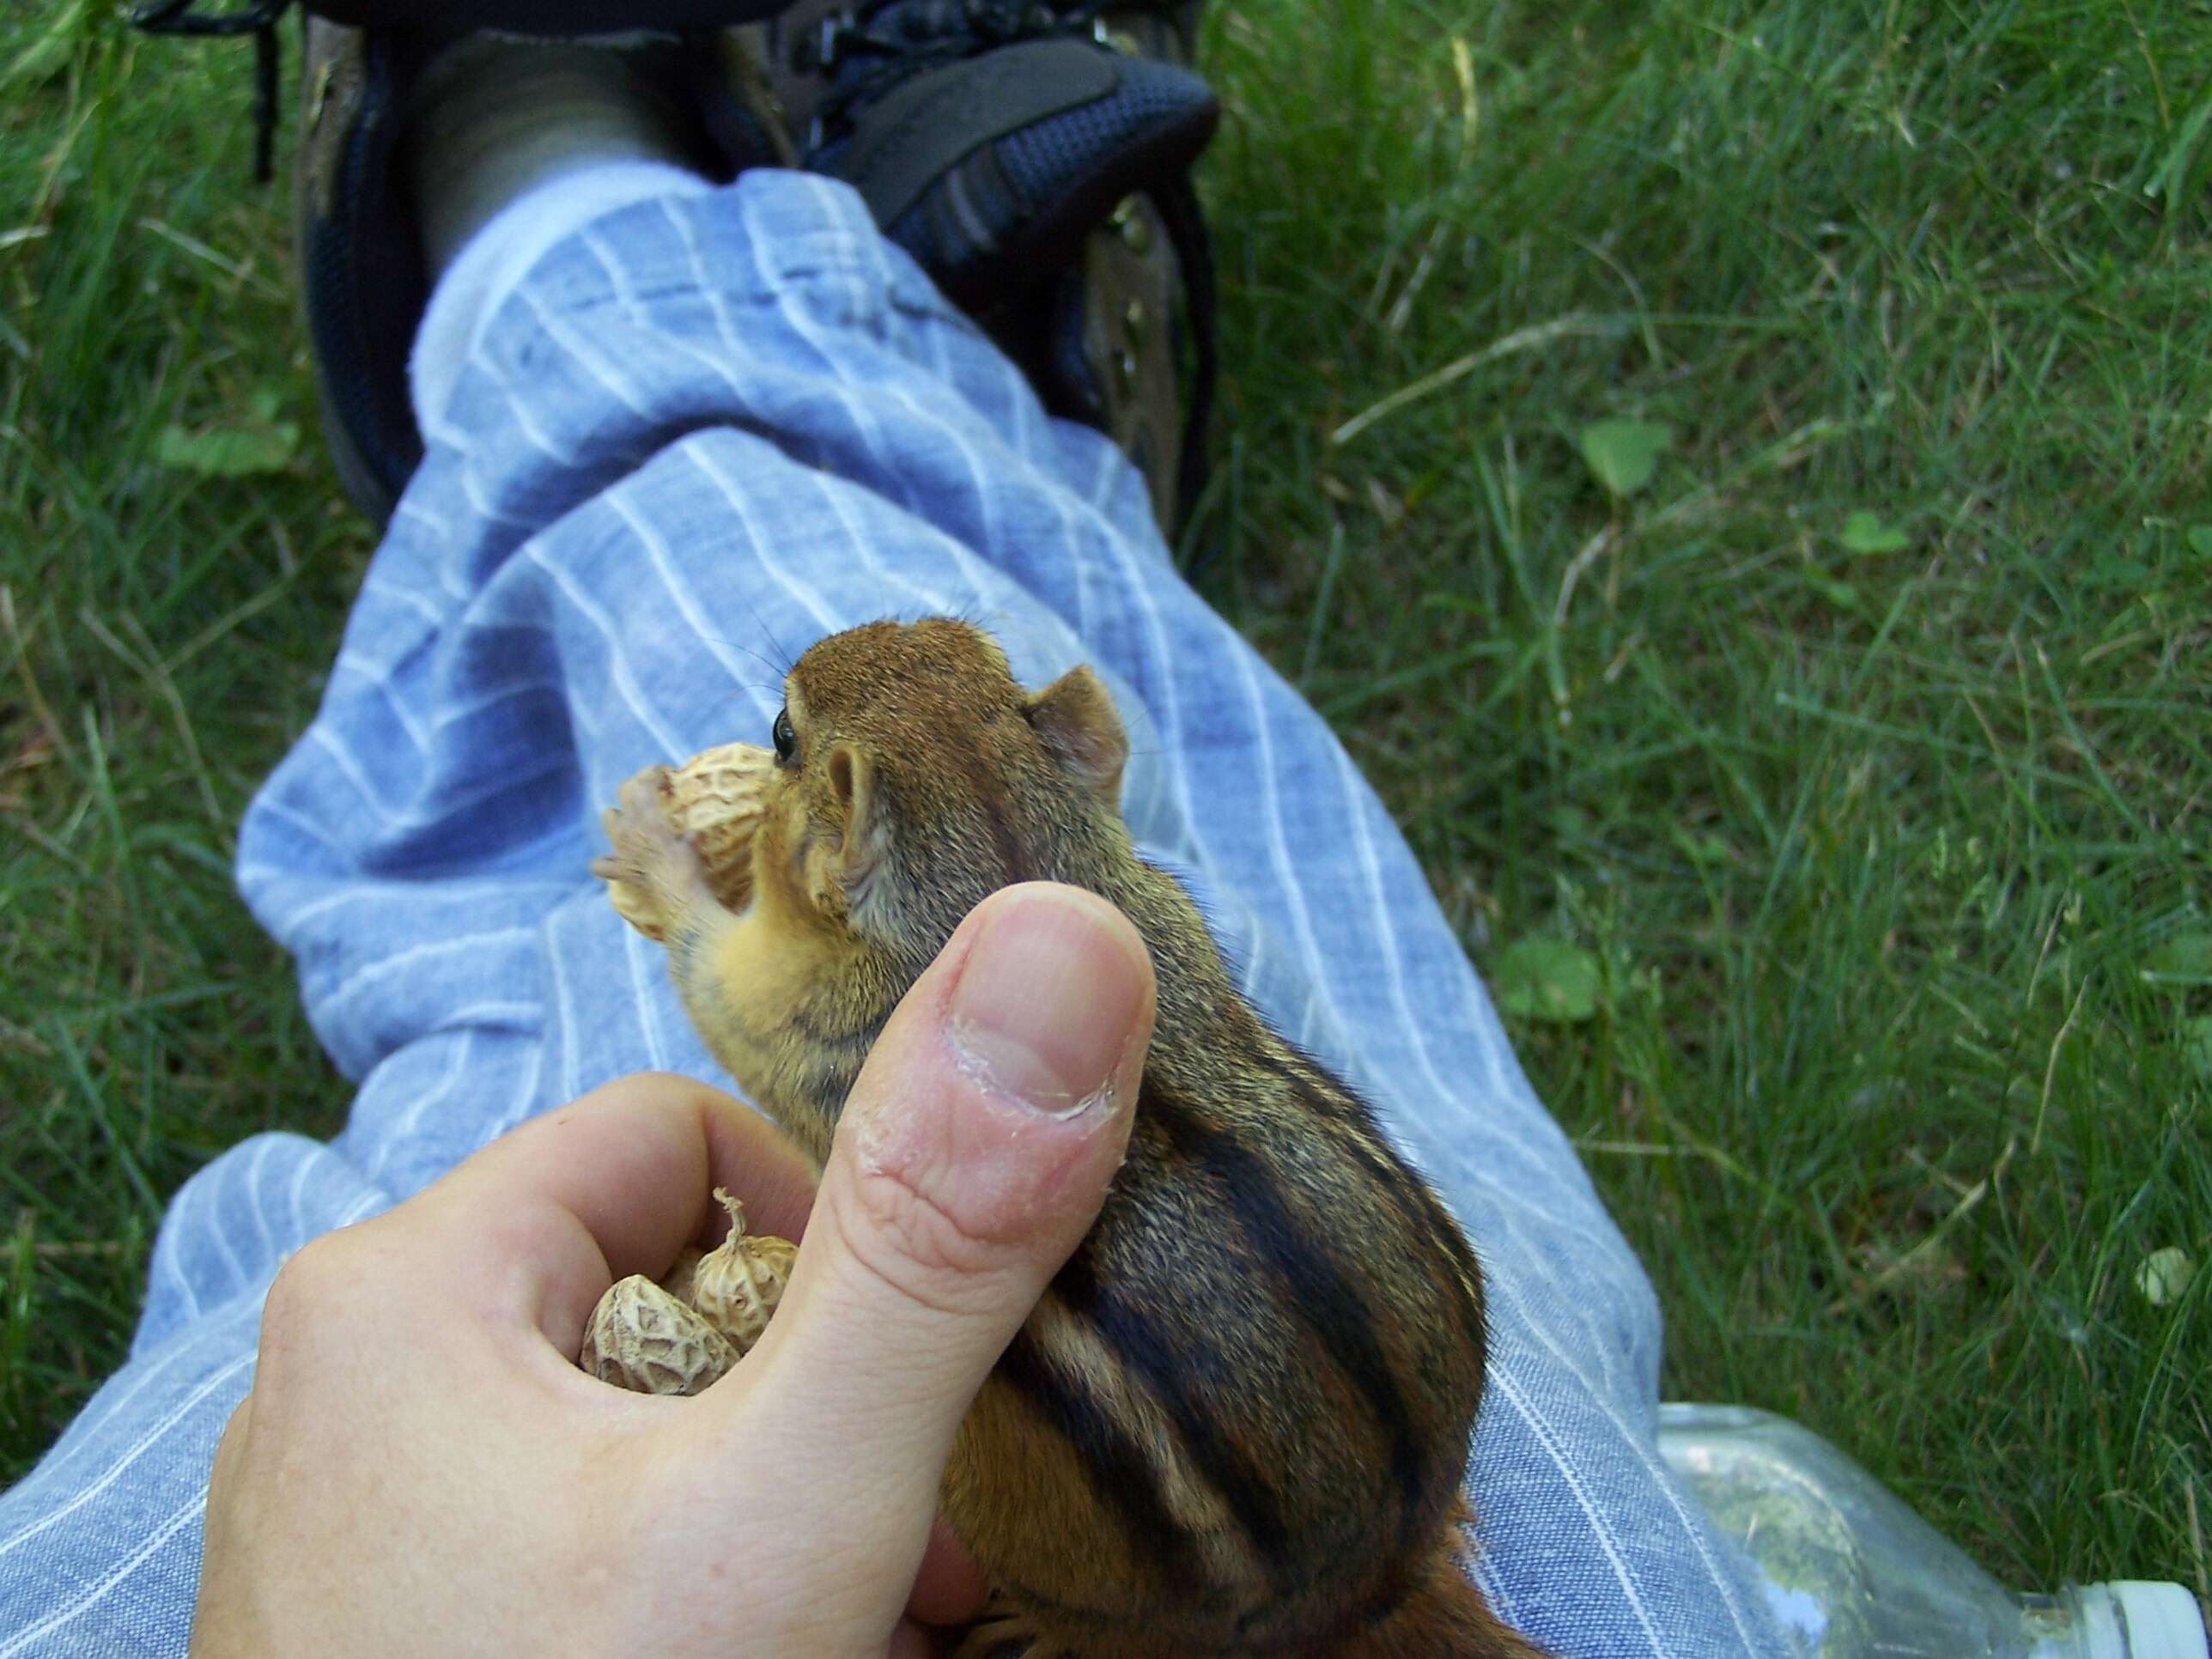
<point>1035,157</point>
<point>365,275</point>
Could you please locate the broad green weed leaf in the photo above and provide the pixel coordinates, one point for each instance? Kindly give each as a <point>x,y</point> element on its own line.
<point>2164,1275</point>
<point>2117,570</point>
<point>1624,454</point>
<point>2199,537</point>
<point>1842,595</point>
<point>1865,532</point>
<point>1546,979</point>
<point>1702,846</point>
<point>227,451</point>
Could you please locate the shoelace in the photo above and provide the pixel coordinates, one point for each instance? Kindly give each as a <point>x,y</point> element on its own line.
<point>258,18</point>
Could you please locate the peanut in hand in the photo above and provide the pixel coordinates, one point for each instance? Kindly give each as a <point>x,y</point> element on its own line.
<point>683,1334</point>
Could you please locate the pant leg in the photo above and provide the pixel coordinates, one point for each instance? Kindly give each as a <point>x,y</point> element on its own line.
<point>702,434</point>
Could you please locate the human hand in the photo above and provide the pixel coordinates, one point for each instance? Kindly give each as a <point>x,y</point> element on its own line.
<point>421,1468</point>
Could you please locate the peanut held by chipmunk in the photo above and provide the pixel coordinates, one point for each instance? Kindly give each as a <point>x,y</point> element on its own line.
<point>1237,1421</point>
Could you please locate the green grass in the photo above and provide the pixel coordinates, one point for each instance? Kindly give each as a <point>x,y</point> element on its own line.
<point>161,637</point>
<point>1888,866</point>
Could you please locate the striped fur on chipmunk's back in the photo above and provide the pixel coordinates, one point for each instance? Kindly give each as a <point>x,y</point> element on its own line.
<point>1238,1420</point>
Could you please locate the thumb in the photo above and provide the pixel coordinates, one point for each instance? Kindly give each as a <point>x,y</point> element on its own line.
<point>971,1159</point>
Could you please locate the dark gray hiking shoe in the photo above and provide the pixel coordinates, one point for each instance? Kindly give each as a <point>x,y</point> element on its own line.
<point>1035,157</point>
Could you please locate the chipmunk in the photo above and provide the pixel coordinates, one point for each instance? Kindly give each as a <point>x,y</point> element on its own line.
<point>1236,1422</point>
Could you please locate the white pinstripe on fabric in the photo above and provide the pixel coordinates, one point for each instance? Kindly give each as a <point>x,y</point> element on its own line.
<point>353,662</point>
<point>537,437</point>
<point>643,1003</point>
<point>1278,855</point>
<point>866,426</point>
<point>626,298</point>
<point>70,1613</point>
<point>366,1205</point>
<point>406,598</point>
<point>174,1270</point>
<point>85,1432</point>
<point>443,437</point>
<point>618,671</point>
<point>686,605</point>
<point>468,709</point>
<point>558,330</point>
<point>564,1021</point>
<point>403,1132</point>
<point>807,595</point>
<point>1103,481</point>
<point>709,291</point>
<point>1035,445</point>
<point>320,834</point>
<point>525,1098</point>
<point>115,1470</point>
<point>410,506</point>
<point>834,502</point>
<point>491,1012</point>
<point>988,534</point>
<point>298,1229</point>
<point>208,1197</point>
<point>257,1167</point>
<point>376,972</point>
<point>381,894</point>
<point>350,768</point>
<point>1378,910</point>
<point>1504,1384</point>
<point>1635,1445</point>
<point>460,800</point>
<point>1162,681</point>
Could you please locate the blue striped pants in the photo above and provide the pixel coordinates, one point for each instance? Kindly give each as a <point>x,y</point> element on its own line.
<point>700,433</point>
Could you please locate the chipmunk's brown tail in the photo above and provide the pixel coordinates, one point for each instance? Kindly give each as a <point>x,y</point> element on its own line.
<point>1444,1618</point>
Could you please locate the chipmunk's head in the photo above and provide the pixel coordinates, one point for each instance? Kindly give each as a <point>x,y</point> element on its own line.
<point>921,778</point>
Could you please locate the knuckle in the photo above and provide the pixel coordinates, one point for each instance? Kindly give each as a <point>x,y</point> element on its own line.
<point>315,1294</point>
<point>901,1236</point>
<point>308,1283</point>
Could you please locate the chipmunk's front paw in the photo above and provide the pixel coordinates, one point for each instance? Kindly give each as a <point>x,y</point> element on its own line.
<point>708,811</point>
<point>653,878</point>
<point>717,800</point>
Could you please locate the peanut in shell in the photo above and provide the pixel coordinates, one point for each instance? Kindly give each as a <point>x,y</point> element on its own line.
<point>739,1283</point>
<point>642,1339</point>
<point>686,1333</point>
<point>714,800</point>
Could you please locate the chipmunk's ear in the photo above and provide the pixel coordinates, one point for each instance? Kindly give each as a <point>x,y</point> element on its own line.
<point>1075,717</point>
<point>866,838</point>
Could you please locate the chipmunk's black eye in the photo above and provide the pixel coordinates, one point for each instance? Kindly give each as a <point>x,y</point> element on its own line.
<point>786,740</point>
